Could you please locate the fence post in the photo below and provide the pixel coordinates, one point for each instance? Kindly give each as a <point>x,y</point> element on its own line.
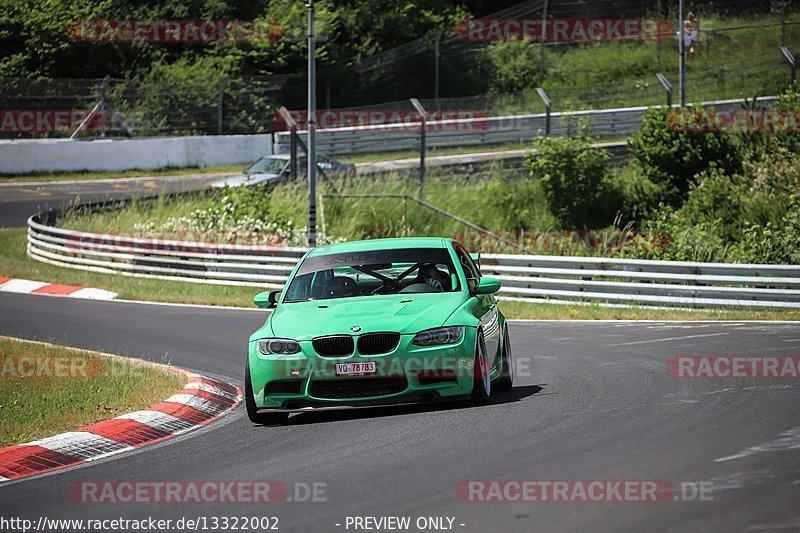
<point>220,92</point>
<point>102,98</point>
<point>787,55</point>
<point>289,120</point>
<point>423,127</point>
<point>436,53</point>
<point>667,87</point>
<point>659,16</point>
<point>783,23</point>
<point>547,106</point>
<point>682,52</point>
<point>543,41</point>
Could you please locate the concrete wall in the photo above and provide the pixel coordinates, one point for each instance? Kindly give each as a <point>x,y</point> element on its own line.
<point>44,155</point>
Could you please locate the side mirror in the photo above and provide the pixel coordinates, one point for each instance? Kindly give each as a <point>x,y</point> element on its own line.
<point>267,299</point>
<point>488,285</point>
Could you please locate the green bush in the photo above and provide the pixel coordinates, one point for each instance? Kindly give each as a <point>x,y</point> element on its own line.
<point>671,158</point>
<point>575,179</point>
<point>514,65</point>
<point>640,197</point>
<point>717,200</point>
<point>749,217</point>
<point>773,242</point>
<point>782,129</point>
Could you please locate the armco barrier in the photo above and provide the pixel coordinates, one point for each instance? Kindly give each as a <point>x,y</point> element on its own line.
<point>483,131</point>
<point>529,277</point>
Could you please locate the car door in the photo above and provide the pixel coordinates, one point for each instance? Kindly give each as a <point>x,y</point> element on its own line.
<point>486,305</point>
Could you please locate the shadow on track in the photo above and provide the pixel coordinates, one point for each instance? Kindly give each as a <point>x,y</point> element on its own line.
<point>514,395</point>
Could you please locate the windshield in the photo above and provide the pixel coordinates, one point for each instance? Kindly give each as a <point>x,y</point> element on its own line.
<point>266,165</point>
<point>345,275</point>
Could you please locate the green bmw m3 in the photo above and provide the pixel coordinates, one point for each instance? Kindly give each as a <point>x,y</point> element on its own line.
<point>379,322</point>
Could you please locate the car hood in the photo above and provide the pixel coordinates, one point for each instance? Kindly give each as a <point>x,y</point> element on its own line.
<point>403,313</point>
<point>244,179</point>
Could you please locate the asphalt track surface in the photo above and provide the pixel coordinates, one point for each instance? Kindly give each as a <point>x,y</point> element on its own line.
<point>18,201</point>
<point>592,401</point>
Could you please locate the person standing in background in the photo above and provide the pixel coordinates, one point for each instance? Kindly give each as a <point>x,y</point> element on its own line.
<point>691,28</point>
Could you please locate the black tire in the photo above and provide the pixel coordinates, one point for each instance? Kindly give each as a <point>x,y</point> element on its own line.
<point>264,419</point>
<point>506,380</point>
<point>481,384</point>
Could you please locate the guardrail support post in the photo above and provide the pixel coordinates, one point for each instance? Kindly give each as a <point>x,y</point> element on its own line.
<point>548,108</point>
<point>787,55</point>
<point>667,87</point>
<point>422,144</point>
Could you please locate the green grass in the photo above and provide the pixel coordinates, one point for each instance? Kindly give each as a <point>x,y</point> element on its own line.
<point>133,173</point>
<point>499,202</point>
<point>70,389</point>
<point>123,221</point>
<point>738,64</point>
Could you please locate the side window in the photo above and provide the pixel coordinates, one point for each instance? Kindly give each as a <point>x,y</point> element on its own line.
<point>470,269</point>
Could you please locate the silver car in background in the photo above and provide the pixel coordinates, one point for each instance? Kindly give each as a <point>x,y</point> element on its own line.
<point>274,168</point>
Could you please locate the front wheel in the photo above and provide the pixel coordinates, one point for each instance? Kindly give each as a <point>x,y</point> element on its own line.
<point>506,380</point>
<point>481,382</point>
<point>264,419</point>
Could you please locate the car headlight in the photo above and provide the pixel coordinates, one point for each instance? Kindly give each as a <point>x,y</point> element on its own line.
<point>278,346</point>
<point>436,336</point>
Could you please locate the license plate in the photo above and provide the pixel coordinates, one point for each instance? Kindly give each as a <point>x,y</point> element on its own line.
<point>356,369</point>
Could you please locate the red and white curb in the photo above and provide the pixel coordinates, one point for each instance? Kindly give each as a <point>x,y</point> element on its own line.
<point>200,401</point>
<point>26,286</point>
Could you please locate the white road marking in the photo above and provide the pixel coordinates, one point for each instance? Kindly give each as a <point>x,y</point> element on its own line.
<point>668,339</point>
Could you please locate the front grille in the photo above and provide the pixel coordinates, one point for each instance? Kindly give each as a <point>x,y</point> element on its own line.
<point>357,388</point>
<point>334,346</point>
<point>283,387</point>
<point>375,343</point>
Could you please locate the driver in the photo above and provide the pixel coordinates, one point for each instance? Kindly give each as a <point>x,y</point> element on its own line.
<point>432,276</point>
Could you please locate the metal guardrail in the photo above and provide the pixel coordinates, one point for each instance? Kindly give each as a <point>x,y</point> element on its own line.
<point>483,131</point>
<point>527,277</point>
